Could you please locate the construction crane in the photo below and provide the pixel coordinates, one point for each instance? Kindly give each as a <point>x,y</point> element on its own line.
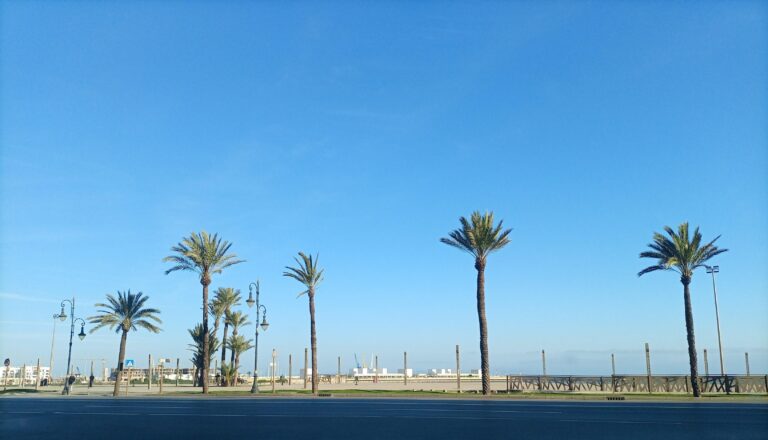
<point>103,365</point>
<point>357,362</point>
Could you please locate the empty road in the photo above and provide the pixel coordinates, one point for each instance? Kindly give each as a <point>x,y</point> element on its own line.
<point>369,419</point>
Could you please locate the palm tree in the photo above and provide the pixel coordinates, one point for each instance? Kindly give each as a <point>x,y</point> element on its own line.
<point>226,298</point>
<point>479,237</point>
<point>308,274</point>
<point>682,254</point>
<point>236,320</point>
<point>125,313</point>
<point>199,352</point>
<point>238,344</point>
<point>205,255</point>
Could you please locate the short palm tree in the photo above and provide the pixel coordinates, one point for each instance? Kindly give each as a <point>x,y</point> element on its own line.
<point>238,345</point>
<point>226,298</point>
<point>682,253</point>
<point>199,352</point>
<point>308,274</point>
<point>236,319</point>
<point>125,313</point>
<point>205,255</point>
<point>479,237</point>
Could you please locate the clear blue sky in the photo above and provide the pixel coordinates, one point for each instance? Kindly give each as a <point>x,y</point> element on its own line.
<point>363,131</point>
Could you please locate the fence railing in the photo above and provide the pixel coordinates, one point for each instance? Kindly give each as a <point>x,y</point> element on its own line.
<point>639,384</point>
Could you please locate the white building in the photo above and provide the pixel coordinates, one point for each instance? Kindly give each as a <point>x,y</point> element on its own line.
<point>29,373</point>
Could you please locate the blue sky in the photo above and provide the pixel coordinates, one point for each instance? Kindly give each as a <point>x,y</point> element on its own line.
<point>362,131</point>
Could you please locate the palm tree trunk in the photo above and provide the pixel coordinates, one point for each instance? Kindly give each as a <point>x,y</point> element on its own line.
<point>313,340</point>
<point>232,352</point>
<point>224,353</point>
<point>691,338</point>
<point>485,369</point>
<point>120,360</point>
<point>205,281</point>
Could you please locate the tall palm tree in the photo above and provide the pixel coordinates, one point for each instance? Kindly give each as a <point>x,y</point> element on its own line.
<point>480,237</point>
<point>205,255</point>
<point>236,320</point>
<point>198,350</point>
<point>226,297</point>
<point>682,253</point>
<point>238,345</point>
<point>125,313</point>
<point>308,274</point>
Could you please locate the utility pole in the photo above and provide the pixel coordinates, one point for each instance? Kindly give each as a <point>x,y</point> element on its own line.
<point>290,368</point>
<point>543,363</point>
<point>22,374</point>
<point>305,367</point>
<point>376,378</point>
<point>458,370</point>
<point>177,372</point>
<point>338,370</point>
<point>713,270</point>
<point>37,375</point>
<point>613,373</point>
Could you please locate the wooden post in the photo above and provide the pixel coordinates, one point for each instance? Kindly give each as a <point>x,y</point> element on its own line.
<point>305,368</point>
<point>338,370</point>
<point>160,372</point>
<point>127,382</point>
<point>458,370</point>
<point>405,368</point>
<point>706,363</point>
<point>648,365</point>
<point>290,368</point>
<point>543,363</point>
<point>37,375</point>
<point>613,373</point>
<point>746,359</point>
<point>177,372</point>
<point>149,374</point>
<point>22,373</point>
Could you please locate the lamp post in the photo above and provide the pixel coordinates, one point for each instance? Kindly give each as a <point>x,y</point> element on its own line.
<point>713,270</point>
<point>264,324</point>
<point>50,361</point>
<point>63,317</point>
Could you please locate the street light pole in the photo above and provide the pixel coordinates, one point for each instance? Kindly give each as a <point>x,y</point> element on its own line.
<point>713,270</point>
<point>50,361</point>
<point>264,324</point>
<point>63,316</point>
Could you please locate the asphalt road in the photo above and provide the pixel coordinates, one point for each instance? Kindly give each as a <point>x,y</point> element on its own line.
<point>369,419</point>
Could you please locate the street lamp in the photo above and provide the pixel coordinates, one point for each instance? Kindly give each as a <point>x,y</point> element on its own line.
<point>53,338</point>
<point>713,270</point>
<point>264,325</point>
<point>63,316</point>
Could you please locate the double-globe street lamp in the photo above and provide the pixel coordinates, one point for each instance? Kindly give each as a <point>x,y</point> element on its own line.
<point>63,317</point>
<point>264,325</point>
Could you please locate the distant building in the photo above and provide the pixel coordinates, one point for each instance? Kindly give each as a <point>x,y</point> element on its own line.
<point>29,373</point>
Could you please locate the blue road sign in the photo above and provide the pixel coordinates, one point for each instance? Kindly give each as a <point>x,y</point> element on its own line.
<point>129,362</point>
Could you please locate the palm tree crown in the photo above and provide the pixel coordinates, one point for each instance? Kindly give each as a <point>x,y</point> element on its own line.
<point>478,235</point>
<point>203,254</point>
<point>306,273</point>
<point>126,313</point>
<point>679,252</point>
<point>237,319</point>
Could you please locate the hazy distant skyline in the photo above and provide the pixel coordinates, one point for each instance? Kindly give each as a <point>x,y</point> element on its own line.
<point>363,132</point>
